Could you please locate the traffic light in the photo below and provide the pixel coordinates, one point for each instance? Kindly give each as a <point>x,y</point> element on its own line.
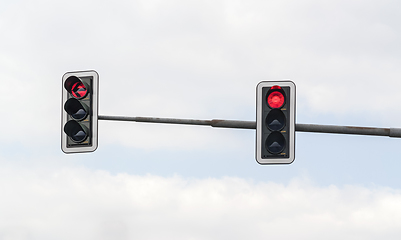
<point>275,122</point>
<point>79,120</point>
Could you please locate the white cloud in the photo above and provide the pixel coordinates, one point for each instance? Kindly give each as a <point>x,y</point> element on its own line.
<point>83,204</point>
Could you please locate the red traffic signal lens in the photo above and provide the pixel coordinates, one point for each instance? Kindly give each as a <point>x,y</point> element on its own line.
<point>275,99</point>
<point>76,87</point>
<point>79,90</point>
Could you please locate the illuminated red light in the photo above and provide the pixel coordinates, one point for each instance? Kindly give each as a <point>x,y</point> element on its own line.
<point>79,90</point>
<point>275,99</point>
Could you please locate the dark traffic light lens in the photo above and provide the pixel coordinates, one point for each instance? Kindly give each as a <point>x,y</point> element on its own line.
<point>275,142</point>
<point>77,132</point>
<point>275,99</point>
<point>275,120</point>
<point>76,87</point>
<point>76,109</point>
<point>79,136</point>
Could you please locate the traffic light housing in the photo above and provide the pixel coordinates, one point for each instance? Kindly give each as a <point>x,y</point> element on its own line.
<point>275,122</point>
<point>79,120</point>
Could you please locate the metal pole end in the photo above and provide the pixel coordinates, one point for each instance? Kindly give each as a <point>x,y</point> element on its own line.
<point>395,132</point>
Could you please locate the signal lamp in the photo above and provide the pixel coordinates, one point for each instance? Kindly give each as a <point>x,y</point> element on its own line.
<point>77,132</point>
<point>76,109</point>
<point>76,87</point>
<point>275,98</point>
<point>275,122</point>
<point>79,121</point>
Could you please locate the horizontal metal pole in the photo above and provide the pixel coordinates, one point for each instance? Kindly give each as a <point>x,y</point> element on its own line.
<point>213,123</point>
<point>391,132</point>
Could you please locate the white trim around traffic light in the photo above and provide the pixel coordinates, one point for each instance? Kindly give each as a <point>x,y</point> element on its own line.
<point>93,112</point>
<point>261,123</point>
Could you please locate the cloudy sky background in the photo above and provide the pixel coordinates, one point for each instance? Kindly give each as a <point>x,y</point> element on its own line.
<point>202,60</point>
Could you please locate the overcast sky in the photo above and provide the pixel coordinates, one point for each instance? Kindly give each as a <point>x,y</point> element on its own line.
<point>201,60</point>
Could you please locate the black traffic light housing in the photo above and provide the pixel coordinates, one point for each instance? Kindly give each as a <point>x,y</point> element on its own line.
<point>275,122</point>
<point>79,118</point>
